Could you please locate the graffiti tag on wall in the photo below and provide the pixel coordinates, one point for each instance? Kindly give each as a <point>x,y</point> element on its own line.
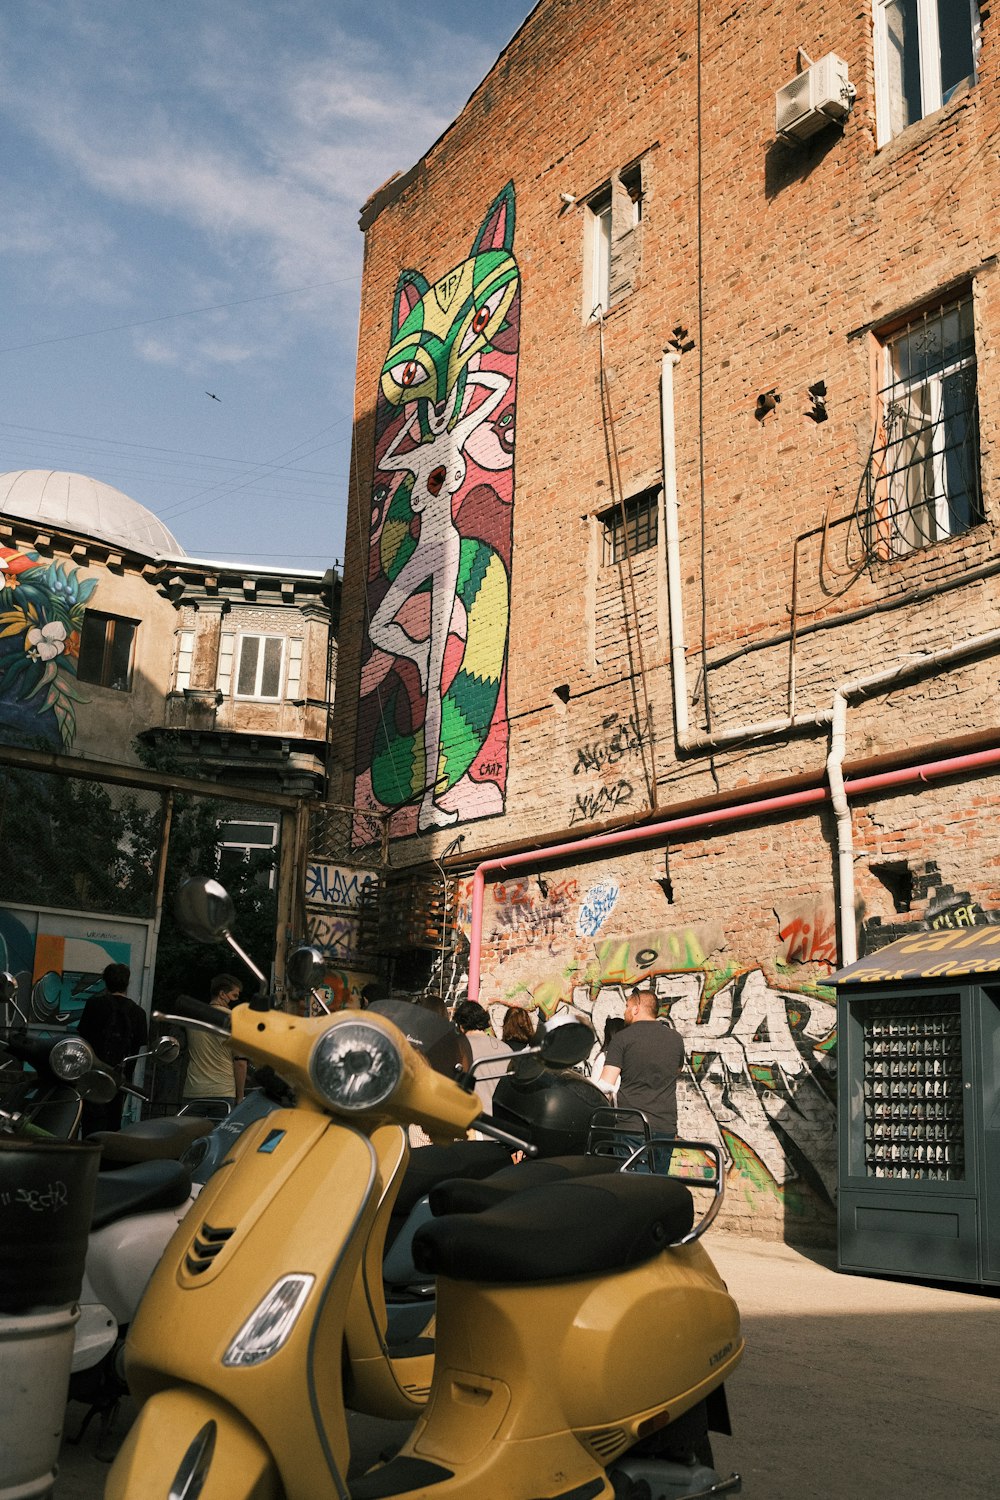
<point>595,908</point>
<point>339,885</point>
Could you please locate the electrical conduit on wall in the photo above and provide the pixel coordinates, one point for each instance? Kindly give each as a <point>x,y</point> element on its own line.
<point>712,817</point>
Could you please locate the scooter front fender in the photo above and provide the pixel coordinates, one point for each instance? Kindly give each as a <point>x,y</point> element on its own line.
<point>185,1442</point>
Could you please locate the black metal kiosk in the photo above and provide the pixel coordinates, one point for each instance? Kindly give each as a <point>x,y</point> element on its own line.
<point>919,1107</point>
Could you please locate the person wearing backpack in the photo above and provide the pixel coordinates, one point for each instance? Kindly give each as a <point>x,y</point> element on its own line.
<point>116,1028</point>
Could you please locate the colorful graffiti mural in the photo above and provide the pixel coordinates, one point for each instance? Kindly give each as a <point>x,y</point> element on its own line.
<point>759,1077</point>
<point>432,721</point>
<point>42,604</point>
<point>59,959</point>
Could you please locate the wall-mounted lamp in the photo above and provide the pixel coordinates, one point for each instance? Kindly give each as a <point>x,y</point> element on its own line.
<point>766,402</point>
<point>567,198</point>
<point>817,396</point>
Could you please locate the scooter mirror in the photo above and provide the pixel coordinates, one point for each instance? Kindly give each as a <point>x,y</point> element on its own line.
<point>567,1041</point>
<point>305,968</point>
<point>167,1049</point>
<point>8,987</point>
<point>204,909</point>
<point>97,1086</point>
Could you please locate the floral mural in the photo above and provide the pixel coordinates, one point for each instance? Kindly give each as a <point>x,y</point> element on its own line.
<point>42,604</point>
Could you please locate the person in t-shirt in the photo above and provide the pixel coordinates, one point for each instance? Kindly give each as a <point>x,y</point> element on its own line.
<point>644,1061</point>
<point>213,1072</point>
<point>116,1028</point>
<point>474,1020</point>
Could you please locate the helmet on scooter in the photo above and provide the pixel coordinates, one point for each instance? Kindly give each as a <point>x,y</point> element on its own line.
<point>552,1109</point>
<point>443,1045</point>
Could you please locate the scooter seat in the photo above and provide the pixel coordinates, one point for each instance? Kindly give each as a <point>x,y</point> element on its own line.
<point>429,1165</point>
<point>460,1195</point>
<point>163,1139</point>
<point>583,1227</point>
<point>139,1189</point>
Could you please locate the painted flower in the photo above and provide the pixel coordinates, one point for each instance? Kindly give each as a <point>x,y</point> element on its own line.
<point>47,641</point>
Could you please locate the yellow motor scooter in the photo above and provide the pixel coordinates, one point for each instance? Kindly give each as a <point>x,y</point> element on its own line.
<point>573,1332</point>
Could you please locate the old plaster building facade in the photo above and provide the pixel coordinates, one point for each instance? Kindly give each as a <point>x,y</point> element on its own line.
<point>129,671</point>
<point>671,594</point>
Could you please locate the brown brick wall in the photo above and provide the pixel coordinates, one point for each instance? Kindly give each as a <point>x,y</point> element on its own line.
<point>802,251</point>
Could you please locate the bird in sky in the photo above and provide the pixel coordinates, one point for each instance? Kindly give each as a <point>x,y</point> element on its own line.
<point>213,396</point>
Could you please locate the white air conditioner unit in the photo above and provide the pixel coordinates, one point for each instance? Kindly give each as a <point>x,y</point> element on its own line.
<point>819,96</point>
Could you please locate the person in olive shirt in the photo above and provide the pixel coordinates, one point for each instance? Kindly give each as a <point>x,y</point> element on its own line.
<point>644,1061</point>
<point>212,1071</point>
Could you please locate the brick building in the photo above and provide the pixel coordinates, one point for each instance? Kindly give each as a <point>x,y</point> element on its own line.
<point>702,648</point>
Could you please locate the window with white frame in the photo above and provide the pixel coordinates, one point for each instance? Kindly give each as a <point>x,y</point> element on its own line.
<point>611,247</point>
<point>248,843</point>
<point>250,665</point>
<point>598,296</point>
<point>185,656</point>
<point>923,477</point>
<point>924,51</point>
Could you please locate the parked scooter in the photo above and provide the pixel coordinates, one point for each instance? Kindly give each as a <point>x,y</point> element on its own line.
<point>47,1100</point>
<point>574,1330</point>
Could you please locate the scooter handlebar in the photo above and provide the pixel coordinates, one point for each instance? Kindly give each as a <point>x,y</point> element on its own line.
<point>186,1011</point>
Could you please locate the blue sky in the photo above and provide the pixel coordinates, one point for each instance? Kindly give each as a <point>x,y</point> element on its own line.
<point>164,157</point>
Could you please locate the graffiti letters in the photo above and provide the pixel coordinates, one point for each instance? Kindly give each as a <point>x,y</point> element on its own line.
<point>338,885</point>
<point>529,911</point>
<point>596,907</point>
<point>628,738</point>
<point>588,806</point>
<point>810,939</point>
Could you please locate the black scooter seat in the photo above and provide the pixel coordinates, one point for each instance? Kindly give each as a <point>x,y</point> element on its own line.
<point>586,1226</point>
<point>162,1139</point>
<point>139,1189</point>
<point>460,1195</point>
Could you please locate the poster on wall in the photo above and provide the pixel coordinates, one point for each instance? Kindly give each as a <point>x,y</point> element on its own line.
<point>58,958</point>
<point>432,719</point>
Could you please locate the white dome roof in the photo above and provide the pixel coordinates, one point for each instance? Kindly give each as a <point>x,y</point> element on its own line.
<point>88,506</point>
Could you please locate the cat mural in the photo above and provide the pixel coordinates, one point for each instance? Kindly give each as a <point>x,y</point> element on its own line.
<point>432,722</point>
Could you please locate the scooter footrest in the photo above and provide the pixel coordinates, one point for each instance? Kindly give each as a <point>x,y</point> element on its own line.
<point>563,1229</point>
<point>398,1476</point>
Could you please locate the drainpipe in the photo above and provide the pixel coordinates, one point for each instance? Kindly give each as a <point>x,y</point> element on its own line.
<point>620,838</point>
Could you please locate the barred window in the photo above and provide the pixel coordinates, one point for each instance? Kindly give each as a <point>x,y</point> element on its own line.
<point>638,531</point>
<point>923,477</point>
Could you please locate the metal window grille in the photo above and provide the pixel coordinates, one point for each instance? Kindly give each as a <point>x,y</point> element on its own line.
<point>923,481</point>
<point>638,530</point>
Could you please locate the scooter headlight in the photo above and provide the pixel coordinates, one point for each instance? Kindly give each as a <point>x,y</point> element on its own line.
<point>355,1066</point>
<point>70,1058</point>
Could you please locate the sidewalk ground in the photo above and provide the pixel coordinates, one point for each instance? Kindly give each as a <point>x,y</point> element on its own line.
<point>852,1388</point>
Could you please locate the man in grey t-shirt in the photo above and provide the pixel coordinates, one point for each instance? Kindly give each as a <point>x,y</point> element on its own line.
<point>645,1060</point>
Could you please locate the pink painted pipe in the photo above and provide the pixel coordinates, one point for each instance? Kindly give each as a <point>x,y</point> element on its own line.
<point>931,770</point>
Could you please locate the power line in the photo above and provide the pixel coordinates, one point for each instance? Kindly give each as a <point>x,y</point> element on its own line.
<point>90,333</point>
<point>181,453</point>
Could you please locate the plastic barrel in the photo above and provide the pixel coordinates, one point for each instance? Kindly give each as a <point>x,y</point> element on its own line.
<point>46,1203</point>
